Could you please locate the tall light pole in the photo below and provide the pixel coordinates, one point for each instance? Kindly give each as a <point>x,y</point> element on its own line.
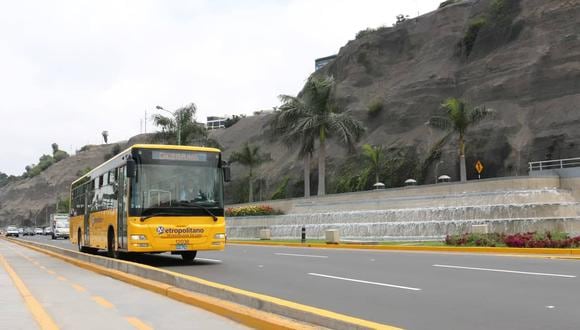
<point>177,122</point>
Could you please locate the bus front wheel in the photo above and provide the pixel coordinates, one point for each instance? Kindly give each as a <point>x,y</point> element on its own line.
<point>188,256</point>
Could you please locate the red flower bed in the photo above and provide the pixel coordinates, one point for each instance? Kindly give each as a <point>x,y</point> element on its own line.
<point>521,240</point>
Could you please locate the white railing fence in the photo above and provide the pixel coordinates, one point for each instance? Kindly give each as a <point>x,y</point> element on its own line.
<point>553,164</point>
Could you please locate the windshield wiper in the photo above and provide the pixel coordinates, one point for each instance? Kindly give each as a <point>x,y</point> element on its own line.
<point>197,206</point>
<point>143,218</point>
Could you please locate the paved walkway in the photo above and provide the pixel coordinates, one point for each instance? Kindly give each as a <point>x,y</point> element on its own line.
<point>38,291</point>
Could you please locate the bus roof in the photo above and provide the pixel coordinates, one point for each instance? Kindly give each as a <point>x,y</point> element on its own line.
<point>145,146</point>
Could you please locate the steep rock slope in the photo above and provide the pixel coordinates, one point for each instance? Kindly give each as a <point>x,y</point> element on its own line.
<point>524,63</point>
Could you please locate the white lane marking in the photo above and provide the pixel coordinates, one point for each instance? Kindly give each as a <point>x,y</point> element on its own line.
<point>365,282</point>
<point>300,255</point>
<point>206,259</point>
<point>550,307</point>
<point>505,271</point>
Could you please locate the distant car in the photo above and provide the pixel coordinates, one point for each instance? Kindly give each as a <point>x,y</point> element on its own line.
<point>12,231</point>
<point>61,230</point>
<point>47,231</point>
<point>28,231</point>
<point>21,231</point>
<point>38,231</point>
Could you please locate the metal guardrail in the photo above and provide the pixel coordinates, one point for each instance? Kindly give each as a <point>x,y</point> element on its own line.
<point>553,164</point>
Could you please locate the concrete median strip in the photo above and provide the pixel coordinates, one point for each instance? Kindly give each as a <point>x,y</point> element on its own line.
<point>537,252</point>
<point>249,308</point>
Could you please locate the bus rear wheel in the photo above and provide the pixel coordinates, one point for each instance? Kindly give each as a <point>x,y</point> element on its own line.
<point>188,256</point>
<point>111,246</point>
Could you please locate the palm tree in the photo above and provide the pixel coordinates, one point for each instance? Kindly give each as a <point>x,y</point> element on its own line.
<point>375,158</point>
<point>281,127</point>
<point>181,127</point>
<point>251,157</point>
<point>459,117</point>
<point>313,117</point>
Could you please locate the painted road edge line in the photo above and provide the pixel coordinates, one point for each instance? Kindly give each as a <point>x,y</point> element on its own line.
<point>554,253</point>
<point>40,315</point>
<point>300,255</point>
<point>365,282</point>
<point>210,260</point>
<point>249,316</point>
<point>504,271</point>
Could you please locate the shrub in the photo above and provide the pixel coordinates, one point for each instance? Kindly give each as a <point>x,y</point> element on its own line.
<point>375,107</point>
<point>466,44</point>
<point>282,190</point>
<point>447,3</point>
<point>363,60</point>
<point>253,210</point>
<point>85,148</point>
<point>474,239</point>
<point>60,155</point>
<point>364,32</point>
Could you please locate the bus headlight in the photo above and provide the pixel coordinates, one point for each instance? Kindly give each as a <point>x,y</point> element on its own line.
<point>219,236</point>
<point>138,237</point>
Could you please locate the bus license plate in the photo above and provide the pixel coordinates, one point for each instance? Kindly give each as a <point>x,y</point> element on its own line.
<point>181,247</point>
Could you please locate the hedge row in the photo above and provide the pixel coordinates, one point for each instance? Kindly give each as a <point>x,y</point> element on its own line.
<point>246,211</point>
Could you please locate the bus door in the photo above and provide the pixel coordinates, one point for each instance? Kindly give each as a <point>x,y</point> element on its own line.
<point>122,208</point>
<point>86,227</point>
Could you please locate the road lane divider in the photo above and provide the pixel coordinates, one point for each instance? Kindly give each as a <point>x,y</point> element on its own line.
<point>44,320</point>
<point>78,288</point>
<point>249,308</point>
<point>103,302</point>
<point>504,271</point>
<point>365,282</point>
<point>138,324</point>
<point>300,255</point>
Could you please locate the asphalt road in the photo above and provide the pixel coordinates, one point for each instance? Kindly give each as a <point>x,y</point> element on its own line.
<point>36,289</point>
<point>406,289</point>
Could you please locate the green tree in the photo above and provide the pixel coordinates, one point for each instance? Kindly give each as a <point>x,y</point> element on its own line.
<point>459,116</point>
<point>375,157</point>
<point>282,127</point>
<point>62,205</point>
<point>181,127</point>
<point>105,135</point>
<point>251,157</point>
<point>315,115</point>
<point>54,148</point>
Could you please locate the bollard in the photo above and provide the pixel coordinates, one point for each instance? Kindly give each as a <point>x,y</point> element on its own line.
<point>303,234</point>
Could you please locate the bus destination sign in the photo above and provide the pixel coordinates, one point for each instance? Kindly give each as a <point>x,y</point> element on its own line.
<point>179,156</point>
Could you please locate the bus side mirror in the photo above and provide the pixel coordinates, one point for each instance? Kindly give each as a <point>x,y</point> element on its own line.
<point>227,174</point>
<point>131,171</point>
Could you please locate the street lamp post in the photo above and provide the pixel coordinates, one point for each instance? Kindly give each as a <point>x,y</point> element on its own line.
<point>177,120</point>
<point>437,170</point>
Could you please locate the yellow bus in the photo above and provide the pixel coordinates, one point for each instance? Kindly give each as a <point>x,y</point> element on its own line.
<point>152,199</point>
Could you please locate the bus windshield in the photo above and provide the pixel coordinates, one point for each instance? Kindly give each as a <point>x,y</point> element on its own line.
<point>177,183</point>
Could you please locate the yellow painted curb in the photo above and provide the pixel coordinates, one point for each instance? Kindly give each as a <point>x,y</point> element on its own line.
<point>240,313</point>
<point>564,253</point>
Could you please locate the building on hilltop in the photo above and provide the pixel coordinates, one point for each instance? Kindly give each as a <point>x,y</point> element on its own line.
<point>321,62</point>
<point>214,122</point>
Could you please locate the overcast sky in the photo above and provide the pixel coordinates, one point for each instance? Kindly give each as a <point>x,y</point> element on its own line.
<point>71,69</point>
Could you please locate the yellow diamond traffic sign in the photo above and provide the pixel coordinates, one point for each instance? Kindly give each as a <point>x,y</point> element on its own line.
<point>479,167</point>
